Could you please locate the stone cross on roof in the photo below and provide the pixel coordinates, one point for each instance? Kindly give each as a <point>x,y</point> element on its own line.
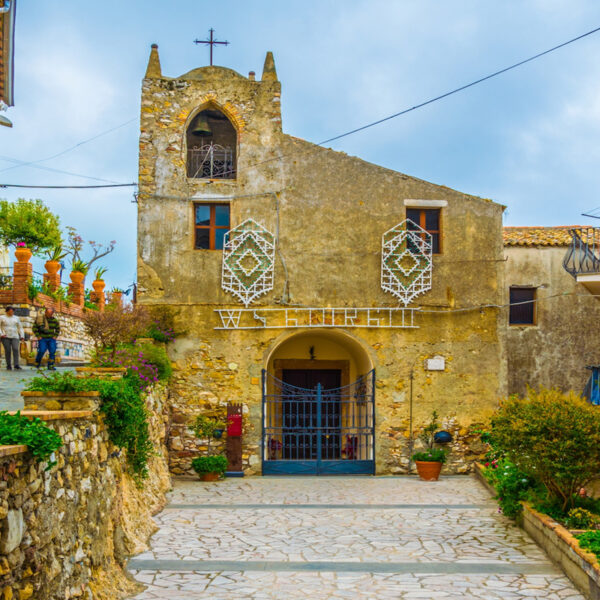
<point>210,42</point>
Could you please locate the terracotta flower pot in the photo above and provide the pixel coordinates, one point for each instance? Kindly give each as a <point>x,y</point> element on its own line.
<point>52,267</point>
<point>77,276</point>
<point>209,477</point>
<point>23,254</point>
<point>98,285</point>
<point>428,471</point>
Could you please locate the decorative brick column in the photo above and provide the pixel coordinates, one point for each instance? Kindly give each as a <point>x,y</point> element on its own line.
<point>52,274</point>
<point>77,288</point>
<point>116,298</point>
<point>98,296</point>
<point>22,274</point>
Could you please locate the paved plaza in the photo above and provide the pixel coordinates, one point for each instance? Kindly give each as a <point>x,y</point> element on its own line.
<point>341,537</point>
<point>11,384</point>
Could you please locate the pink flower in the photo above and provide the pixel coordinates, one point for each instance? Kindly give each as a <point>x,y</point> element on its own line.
<point>21,245</point>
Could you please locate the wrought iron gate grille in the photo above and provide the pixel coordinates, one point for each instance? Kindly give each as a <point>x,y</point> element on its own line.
<point>318,431</point>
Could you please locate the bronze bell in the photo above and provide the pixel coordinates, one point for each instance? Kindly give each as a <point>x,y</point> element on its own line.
<point>201,126</point>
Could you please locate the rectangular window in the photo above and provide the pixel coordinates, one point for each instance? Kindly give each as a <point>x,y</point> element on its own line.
<point>429,220</point>
<point>522,306</point>
<point>211,223</point>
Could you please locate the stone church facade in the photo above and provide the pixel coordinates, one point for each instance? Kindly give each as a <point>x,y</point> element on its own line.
<point>338,301</point>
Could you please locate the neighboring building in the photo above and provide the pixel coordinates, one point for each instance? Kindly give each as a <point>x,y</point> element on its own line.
<point>294,263</point>
<point>7,46</point>
<point>551,327</point>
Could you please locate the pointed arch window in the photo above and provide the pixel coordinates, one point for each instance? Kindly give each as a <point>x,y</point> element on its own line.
<point>211,146</point>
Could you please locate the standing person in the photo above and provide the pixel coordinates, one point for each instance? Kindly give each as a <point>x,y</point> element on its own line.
<point>11,333</point>
<point>46,328</point>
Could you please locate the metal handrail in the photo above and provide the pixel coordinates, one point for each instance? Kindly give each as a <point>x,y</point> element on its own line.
<point>583,255</point>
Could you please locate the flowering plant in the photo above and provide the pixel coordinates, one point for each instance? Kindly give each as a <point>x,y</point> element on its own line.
<point>139,368</point>
<point>21,245</point>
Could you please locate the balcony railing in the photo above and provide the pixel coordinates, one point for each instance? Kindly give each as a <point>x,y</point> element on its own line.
<point>583,255</point>
<point>211,162</point>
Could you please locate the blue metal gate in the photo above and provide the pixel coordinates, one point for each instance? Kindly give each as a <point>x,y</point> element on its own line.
<point>318,431</point>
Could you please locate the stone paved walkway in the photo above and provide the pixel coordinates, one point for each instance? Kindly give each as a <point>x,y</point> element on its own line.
<point>12,382</point>
<point>343,537</point>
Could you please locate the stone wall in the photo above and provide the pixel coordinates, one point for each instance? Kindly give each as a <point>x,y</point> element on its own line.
<point>556,349</point>
<point>67,531</point>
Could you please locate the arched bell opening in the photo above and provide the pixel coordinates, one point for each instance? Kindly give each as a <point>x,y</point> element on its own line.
<point>211,141</point>
<point>319,406</point>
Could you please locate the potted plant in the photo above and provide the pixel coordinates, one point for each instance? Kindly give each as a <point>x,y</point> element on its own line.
<point>98,284</point>
<point>429,461</point>
<point>55,255</point>
<point>22,252</point>
<point>210,467</point>
<point>79,270</point>
<point>116,295</point>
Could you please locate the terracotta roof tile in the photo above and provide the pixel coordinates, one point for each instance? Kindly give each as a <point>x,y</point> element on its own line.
<point>538,236</point>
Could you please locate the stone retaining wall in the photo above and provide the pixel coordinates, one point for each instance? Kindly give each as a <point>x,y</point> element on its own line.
<point>67,531</point>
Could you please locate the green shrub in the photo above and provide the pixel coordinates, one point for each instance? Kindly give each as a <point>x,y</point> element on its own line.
<point>124,409</point>
<point>126,418</point>
<point>431,455</point>
<point>29,222</point>
<point>157,356</point>
<point>204,427</point>
<point>210,464</point>
<point>512,486</point>
<point>552,438</point>
<point>580,518</point>
<point>16,429</point>
<point>62,382</point>
<point>590,540</point>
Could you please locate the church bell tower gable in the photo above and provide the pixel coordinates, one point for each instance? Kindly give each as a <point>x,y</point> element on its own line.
<point>206,107</point>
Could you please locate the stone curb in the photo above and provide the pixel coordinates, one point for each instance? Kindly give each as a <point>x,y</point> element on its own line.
<point>54,415</point>
<point>13,449</point>
<point>580,566</point>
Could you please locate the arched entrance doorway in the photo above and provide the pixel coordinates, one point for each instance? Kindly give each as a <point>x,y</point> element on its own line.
<point>318,399</point>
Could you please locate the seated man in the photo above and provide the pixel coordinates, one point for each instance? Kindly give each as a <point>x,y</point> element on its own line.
<point>46,328</point>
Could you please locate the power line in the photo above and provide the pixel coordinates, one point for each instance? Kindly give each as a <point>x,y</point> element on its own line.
<point>55,170</point>
<point>437,98</point>
<point>67,187</point>
<point>95,137</point>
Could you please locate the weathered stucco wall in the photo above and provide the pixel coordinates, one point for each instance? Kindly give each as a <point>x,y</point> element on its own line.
<point>330,212</point>
<point>67,531</point>
<point>555,351</point>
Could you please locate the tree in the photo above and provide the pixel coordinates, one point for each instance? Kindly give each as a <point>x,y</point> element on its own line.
<point>551,437</point>
<point>29,222</point>
<point>116,325</point>
<point>75,244</point>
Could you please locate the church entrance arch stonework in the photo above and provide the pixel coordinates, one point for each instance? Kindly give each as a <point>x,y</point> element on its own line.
<point>318,413</point>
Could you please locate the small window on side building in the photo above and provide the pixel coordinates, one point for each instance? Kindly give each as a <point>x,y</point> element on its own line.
<point>522,306</point>
<point>211,223</point>
<point>428,219</point>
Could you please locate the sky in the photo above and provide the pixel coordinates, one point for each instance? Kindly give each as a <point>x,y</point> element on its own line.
<point>528,139</point>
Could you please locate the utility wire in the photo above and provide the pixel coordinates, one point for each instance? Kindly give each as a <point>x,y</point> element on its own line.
<point>95,137</point>
<point>67,187</point>
<point>436,99</point>
<point>352,131</point>
<point>57,170</point>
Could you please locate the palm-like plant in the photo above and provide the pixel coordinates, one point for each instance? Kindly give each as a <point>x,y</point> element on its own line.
<point>99,273</point>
